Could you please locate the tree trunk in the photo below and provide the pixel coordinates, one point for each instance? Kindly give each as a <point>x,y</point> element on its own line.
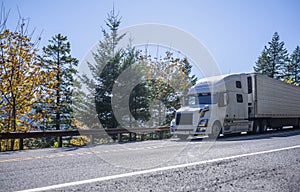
<point>57,125</point>
<point>14,115</point>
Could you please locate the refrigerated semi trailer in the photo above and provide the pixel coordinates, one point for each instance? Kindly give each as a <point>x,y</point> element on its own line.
<point>236,103</point>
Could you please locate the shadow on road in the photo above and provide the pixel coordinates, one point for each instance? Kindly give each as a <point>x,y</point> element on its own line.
<point>240,137</point>
<point>270,134</point>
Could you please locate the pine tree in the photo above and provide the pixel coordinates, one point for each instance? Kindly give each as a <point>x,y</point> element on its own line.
<point>106,69</point>
<point>262,65</point>
<point>139,103</point>
<point>111,63</point>
<point>292,68</point>
<point>273,59</point>
<point>58,60</point>
<point>84,108</point>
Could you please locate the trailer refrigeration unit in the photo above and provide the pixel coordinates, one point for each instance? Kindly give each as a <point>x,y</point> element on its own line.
<point>237,103</point>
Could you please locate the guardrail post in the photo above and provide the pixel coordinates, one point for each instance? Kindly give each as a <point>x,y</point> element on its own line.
<point>21,144</point>
<point>119,137</point>
<point>160,134</point>
<point>142,137</point>
<point>60,141</point>
<point>130,137</point>
<point>92,138</point>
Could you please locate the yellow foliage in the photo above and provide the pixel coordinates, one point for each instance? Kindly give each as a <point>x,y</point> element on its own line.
<point>80,141</point>
<point>22,79</point>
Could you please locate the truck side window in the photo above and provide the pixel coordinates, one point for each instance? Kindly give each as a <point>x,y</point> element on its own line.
<point>239,98</point>
<point>238,84</point>
<point>249,82</point>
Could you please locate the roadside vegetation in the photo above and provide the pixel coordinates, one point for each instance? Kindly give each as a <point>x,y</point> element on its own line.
<point>42,90</point>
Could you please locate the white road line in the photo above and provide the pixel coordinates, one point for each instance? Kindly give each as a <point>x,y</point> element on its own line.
<point>51,187</point>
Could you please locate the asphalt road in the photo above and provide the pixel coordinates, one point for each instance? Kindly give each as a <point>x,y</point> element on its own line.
<point>269,162</point>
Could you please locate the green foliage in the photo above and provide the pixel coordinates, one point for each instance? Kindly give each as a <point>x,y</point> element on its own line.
<point>273,58</point>
<point>57,111</point>
<point>275,62</point>
<point>292,68</point>
<point>139,103</point>
<point>110,62</point>
<point>168,80</point>
<point>164,81</point>
<point>84,108</point>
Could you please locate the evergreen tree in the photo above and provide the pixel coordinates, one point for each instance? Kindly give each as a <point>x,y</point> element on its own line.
<point>158,78</point>
<point>84,108</point>
<point>139,103</point>
<point>273,59</point>
<point>292,68</point>
<point>106,69</point>
<point>57,59</point>
<point>262,65</point>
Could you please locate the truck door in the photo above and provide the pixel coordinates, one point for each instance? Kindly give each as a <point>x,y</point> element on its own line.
<point>237,110</point>
<point>250,97</point>
<point>240,109</point>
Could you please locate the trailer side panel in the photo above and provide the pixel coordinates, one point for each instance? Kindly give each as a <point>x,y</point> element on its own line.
<point>276,99</point>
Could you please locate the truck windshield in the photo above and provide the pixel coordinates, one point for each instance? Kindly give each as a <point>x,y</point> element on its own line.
<point>202,99</point>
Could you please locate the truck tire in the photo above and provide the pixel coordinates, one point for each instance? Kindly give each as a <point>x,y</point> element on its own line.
<point>216,130</point>
<point>298,124</point>
<point>264,126</point>
<point>256,127</point>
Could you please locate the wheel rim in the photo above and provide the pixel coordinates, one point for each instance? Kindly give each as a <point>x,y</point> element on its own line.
<point>216,130</point>
<point>256,128</point>
<point>264,127</point>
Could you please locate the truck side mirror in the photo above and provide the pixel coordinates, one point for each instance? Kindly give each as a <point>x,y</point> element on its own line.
<point>223,99</point>
<point>225,96</point>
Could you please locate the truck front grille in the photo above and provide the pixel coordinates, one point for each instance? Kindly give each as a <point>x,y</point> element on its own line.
<point>184,118</point>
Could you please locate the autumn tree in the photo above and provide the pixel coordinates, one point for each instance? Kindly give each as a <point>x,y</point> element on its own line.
<point>21,77</point>
<point>169,79</point>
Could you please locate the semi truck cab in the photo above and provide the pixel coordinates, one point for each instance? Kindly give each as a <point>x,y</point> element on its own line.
<point>220,104</point>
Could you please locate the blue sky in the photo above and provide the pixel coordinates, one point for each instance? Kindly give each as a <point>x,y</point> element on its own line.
<point>234,31</point>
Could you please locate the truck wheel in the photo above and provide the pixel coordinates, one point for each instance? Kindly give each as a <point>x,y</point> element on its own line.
<point>216,130</point>
<point>264,126</point>
<point>256,127</point>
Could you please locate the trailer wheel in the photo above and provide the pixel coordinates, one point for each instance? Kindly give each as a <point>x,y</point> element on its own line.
<point>256,127</point>
<point>264,126</point>
<point>298,124</point>
<point>216,130</point>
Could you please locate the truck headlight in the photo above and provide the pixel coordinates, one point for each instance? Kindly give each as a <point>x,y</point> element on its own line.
<point>203,123</point>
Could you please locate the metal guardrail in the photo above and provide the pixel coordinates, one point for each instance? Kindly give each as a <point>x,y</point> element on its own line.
<point>92,133</point>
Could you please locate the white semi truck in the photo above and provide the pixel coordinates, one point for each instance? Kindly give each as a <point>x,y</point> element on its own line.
<point>237,103</point>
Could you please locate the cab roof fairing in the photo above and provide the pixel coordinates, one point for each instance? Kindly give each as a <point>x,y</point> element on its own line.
<point>208,87</point>
<point>215,84</point>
